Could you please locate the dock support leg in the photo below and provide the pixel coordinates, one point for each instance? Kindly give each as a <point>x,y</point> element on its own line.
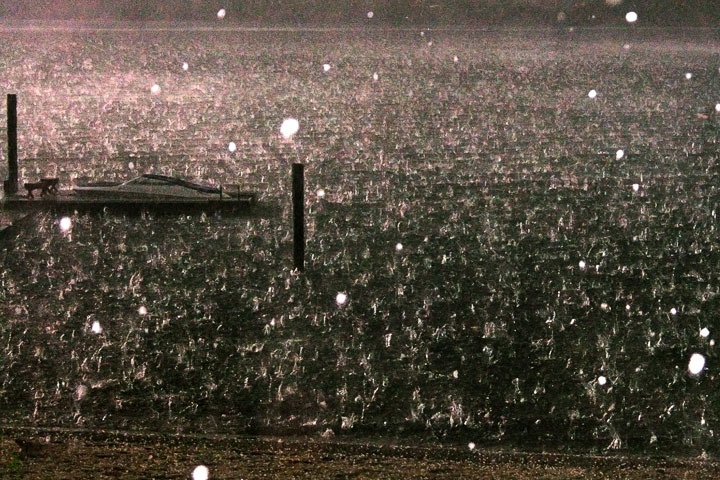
<point>298,200</point>
<point>11,184</point>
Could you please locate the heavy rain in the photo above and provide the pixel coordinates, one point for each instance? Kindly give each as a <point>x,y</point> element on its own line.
<point>509,234</point>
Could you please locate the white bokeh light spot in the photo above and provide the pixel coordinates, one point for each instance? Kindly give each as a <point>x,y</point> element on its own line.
<point>289,127</point>
<point>376,77</point>
<point>201,472</point>
<point>619,154</point>
<point>601,380</point>
<point>221,13</point>
<point>320,193</point>
<point>142,310</point>
<point>673,311</point>
<point>704,332</point>
<point>696,364</point>
<point>471,446</point>
<point>326,67</point>
<point>592,93</point>
<point>185,66</point>
<point>581,264</point>
<point>96,327</point>
<point>232,147</point>
<point>688,76</point>
<point>65,224</point>
<point>370,14</point>
<point>635,187</point>
<point>155,89</point>
<point>398,247</point>
<point>717,107</point>
<point>631,17</point>
<point>341,298</point>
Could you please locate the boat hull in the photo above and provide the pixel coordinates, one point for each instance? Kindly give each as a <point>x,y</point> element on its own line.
<point>69,202</point>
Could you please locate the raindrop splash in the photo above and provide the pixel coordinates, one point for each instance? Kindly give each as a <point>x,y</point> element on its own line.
<point>80,392</point>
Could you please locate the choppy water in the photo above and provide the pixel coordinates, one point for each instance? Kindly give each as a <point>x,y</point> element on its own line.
<point>547,288</point>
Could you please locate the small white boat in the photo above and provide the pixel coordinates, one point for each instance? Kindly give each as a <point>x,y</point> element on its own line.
<point>153,187</point>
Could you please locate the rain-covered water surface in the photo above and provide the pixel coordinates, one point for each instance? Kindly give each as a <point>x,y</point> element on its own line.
<point>511,235</point>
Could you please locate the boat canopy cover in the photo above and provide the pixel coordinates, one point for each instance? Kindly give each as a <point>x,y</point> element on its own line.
<point>175,181</point>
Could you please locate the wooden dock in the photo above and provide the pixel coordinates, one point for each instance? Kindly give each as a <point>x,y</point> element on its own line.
<point>68,202</point>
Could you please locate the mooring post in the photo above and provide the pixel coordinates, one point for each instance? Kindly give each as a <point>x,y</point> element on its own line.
<point>298,200</point>
<point>11,184</point>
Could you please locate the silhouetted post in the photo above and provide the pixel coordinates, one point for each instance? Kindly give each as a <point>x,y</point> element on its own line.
<point>11,184</point>
<point>298,199</point>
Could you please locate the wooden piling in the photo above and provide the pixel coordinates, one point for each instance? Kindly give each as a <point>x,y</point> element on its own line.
<point>298,200</point>
<point>11,184</point>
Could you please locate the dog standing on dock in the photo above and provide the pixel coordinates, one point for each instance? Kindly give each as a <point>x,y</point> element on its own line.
<point>46,186</point>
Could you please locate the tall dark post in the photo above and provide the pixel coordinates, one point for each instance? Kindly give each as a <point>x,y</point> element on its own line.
<point>11,184</point>
<point>298,199</point>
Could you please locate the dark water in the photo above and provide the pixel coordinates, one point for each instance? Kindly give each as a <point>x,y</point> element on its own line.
<point>509,275</point>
